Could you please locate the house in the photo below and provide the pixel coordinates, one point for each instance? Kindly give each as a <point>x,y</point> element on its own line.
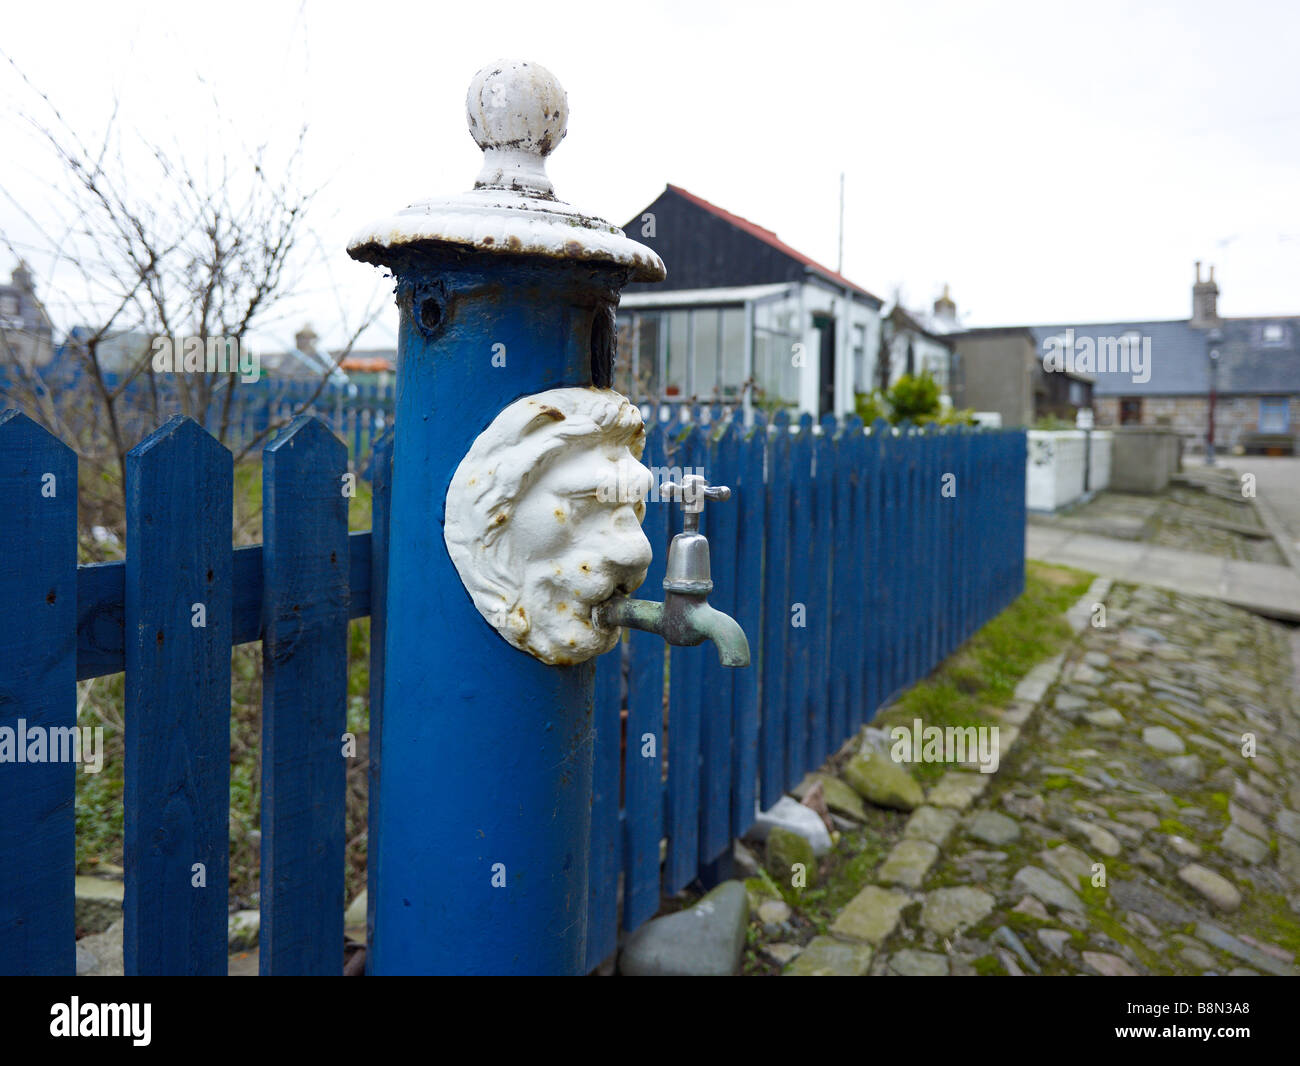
<point>742,318</point>
<point>304,362</point>
<point>999,370</point>
<point>370,366</point>
<point>26,333</point>
<point>918,342</point>
<point>1161,373</point>
<point>116,353</point>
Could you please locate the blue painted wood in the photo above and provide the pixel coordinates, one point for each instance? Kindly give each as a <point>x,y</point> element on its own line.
<point>179,484</point>
<point>857,585</point>
<point>101,634</point>
<point>644,798</point>
<point>685,701</point>
<point>820,728</point>
<point>38,571</point>
<point>380,505</point>
<point>776,613</point>
<point>802,634</point>
<point>873,598</point>
<point>966,511</point>
<point>304,701</point>
<point>943,444</point>
<point>751,503</point>
<point>1016,488</point>
<point>933,499</point>
<point>606,833</point>
<point>719,524</point>
<point>845,612</point>
<point>896,541</point>
<point>913,597</point>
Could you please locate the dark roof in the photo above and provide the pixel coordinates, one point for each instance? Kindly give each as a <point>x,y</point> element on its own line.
<point>903,319</point>
<point>1179,359</point>
<point>699,255</point>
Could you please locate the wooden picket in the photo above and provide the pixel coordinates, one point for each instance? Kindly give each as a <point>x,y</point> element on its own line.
<point>643,772</point>
<point>179,569</point>
<point>304,700</point>
<point>38,599</point>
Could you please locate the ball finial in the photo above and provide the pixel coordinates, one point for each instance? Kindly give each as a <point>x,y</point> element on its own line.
<point>517,113</point>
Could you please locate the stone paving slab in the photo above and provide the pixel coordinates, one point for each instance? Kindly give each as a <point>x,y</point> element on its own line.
<point>1260,587</point>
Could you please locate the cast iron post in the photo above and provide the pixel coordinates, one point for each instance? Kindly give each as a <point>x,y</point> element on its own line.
<point>485,783</point>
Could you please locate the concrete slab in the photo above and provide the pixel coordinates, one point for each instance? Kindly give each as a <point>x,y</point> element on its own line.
<point>1266,589</point>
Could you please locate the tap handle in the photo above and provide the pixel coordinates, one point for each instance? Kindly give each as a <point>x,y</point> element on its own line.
<point>692,492</point>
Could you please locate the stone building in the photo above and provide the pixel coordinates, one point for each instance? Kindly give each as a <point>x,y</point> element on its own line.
<point>1150,373</point>
<point>1253,364</point>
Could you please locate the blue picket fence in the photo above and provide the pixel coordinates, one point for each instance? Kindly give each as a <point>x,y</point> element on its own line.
<point>855,560</point>
<point>853,572</point>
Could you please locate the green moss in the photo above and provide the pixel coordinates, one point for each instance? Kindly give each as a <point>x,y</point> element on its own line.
<point>1218,800</point>
<point>1092,895</point>
<point>989,966</point>
<point>1055,783</point>
<point>987,668</point>
<point>1021,920</point>
<point>1104,922</point>
<point>1174,827</point>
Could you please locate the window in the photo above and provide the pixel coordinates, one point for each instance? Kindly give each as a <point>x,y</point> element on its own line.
<point>691,353</point>
<point>1130,411</point>
<point>676,383</point>
<point>8,305</point>
<point>1273,414</point>
<point>732,379</point>
<point>704,381</point>
<point>861,382</point>
<point>776,378</point>
<point>1274,335</point>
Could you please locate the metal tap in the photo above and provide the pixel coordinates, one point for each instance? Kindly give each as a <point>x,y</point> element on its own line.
<point>685,617</point>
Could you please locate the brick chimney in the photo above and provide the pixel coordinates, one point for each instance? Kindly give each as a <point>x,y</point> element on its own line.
<point>1205,299</point>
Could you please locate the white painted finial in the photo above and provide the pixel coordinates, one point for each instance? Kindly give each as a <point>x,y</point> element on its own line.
<point>517,113</point>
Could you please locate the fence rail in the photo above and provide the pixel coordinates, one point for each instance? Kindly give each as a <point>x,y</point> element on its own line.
<point>855,560</point>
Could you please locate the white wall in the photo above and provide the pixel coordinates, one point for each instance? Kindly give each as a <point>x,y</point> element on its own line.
<point>848,313</point>
<point>1054,470</point>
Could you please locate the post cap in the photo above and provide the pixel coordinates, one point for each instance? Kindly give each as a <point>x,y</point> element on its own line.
<point>518,113</point>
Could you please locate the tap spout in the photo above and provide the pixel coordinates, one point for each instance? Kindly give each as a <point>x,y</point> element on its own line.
<point>725,632</point>
<point>682,619</point>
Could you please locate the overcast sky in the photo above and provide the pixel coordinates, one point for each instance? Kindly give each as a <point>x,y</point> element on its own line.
<point>1050,162</point>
